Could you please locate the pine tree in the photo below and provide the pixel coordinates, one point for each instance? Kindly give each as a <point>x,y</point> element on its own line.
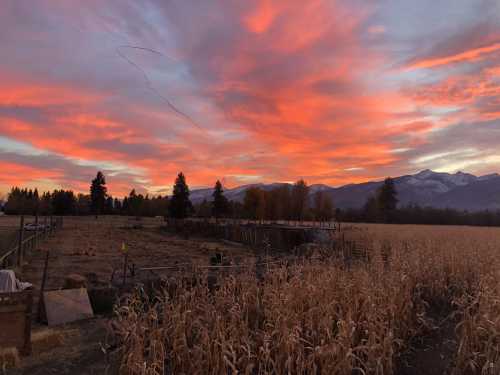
<point>387,199</point>
<point>370,209</point>
<point>83,204</point>
<point>108,205</point>
<point>117,206</point>
<point>98,193</point>
<point>300,193</point>
<point>133,203</point>
<point>204,209</point>
<point>180,206</point>
<point>220,204</point>
<point>46,204</point>
<point>125,206</point>
<point>36,202</point>
<point>63,202</point>
<point>254,204</point>
<point>323,207</point>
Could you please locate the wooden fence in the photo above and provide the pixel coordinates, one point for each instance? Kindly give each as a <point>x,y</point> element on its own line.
<point>282,237</point>
<point>28,240</point>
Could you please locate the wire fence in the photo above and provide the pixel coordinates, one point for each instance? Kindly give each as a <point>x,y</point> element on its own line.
<point>348,252</point>
<point>29,236</point>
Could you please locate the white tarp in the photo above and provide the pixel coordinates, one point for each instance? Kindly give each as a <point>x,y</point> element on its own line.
<point>9,283</point>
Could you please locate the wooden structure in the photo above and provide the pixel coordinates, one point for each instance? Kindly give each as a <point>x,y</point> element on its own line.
<point>15,320</point>
<point>280,237</point>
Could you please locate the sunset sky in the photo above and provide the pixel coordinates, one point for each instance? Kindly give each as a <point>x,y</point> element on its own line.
<point>245,91</point>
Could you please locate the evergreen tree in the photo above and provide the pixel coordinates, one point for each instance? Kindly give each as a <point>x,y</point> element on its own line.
<point>98,193</point>
<point>300,193</point>
<point>125,206</point>
<point>370,210</point>
<point>13,206</point>
<point>63,202</point>
<point>83,204</point>
<point>133,204</point>
<point>253,203</point>
<point>22,202</point>
<point>203,209</point>
<point>108,205</point>
<point>36,202</point>
<point>323,207</point>
<point>283,207</point>
<point>220,204</point>
<point>387,200</point>
<point>46,204</point>
<point>117,205</point>
<point>180,206</point>
<point>159,206</point>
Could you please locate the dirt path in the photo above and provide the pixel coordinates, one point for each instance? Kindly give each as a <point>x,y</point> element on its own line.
<point>92,248</point>
<point>433,354</point>
<point>79,352</point>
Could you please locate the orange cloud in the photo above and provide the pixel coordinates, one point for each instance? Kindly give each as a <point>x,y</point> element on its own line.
<point>471,55</point>
<point>262,17</point>
<point>20,175</point>
<point>21,94</point>
<point>282,90</point>
<point>476,95</point>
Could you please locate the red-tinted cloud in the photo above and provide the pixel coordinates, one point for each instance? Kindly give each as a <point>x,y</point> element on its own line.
<point>471,55</point>
<point>281,90</point>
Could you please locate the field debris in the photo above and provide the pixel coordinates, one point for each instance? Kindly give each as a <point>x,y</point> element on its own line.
<point>9,358</point>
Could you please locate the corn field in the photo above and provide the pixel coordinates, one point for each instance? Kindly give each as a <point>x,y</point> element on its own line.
<point>323,317</point>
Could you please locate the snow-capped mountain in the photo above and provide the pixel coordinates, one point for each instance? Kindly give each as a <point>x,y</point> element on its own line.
<point>426,188</point>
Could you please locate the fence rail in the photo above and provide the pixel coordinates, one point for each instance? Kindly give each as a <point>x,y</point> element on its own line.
<point>275,235</point>
<point>42,230</point>
<point>334,224</point>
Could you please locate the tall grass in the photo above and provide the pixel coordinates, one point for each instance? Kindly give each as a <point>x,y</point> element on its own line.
<point>324,317</point>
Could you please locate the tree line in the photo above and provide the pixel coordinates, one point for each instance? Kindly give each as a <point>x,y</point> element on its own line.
<point>382,208</point>
<point>284,202</point>
<point>97,202</point>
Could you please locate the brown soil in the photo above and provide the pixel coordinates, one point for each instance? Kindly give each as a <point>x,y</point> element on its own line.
<point>92,248</point>
<point>80,353</point>
<point>433,353</point>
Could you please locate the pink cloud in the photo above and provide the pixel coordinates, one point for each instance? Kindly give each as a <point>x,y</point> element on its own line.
<point>281,90</point>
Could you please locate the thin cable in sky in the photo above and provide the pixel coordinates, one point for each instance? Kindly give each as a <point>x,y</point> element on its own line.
<point>172,107</point>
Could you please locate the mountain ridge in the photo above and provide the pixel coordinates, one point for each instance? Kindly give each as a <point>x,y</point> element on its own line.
<point>460,190</point>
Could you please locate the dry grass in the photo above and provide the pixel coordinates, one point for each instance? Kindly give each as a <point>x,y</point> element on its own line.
<point>324,317</point>
<point>87,245</point>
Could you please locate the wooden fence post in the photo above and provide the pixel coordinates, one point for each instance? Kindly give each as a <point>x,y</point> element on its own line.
<point>20,243</point>
<point>125,264</point>
<point>36,232</point>
<point>41,305</point>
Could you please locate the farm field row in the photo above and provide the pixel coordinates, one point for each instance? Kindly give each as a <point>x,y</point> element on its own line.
<point>425,301</point>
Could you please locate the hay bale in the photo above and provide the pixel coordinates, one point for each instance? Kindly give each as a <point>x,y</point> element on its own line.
<point>9,358</point>
<point>46,339</point>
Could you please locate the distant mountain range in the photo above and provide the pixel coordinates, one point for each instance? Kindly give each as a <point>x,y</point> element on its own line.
<point>462,191</point>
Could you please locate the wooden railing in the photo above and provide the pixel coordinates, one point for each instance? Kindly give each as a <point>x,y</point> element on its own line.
<point>290,223</point>
<point>28,243</point>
